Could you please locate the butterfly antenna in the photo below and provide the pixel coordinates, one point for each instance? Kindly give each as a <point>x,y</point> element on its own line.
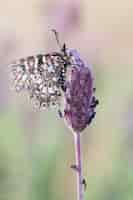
<point>57,37</point>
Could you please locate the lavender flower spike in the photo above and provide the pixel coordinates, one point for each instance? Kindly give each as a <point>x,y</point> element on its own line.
<point>80,101</point>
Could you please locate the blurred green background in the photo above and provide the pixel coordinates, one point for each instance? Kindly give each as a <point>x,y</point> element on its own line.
<point>36,148</point>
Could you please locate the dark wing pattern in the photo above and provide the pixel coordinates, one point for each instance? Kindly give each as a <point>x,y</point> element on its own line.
<point>41,76</point>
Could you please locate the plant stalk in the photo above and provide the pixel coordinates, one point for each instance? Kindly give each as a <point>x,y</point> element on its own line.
<point>79,170</point>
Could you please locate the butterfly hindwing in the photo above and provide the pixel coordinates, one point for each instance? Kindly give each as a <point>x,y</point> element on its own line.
<point>40,75</point>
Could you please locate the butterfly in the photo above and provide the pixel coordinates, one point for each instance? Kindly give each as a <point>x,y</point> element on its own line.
<point>43,75</point>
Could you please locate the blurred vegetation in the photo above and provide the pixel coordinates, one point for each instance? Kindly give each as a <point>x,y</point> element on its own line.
<point>36,148</point>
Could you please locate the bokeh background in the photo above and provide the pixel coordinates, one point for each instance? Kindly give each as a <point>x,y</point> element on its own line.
<point>36,148</point>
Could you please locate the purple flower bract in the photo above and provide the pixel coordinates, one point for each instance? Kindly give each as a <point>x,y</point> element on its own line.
<point>79,96</point>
